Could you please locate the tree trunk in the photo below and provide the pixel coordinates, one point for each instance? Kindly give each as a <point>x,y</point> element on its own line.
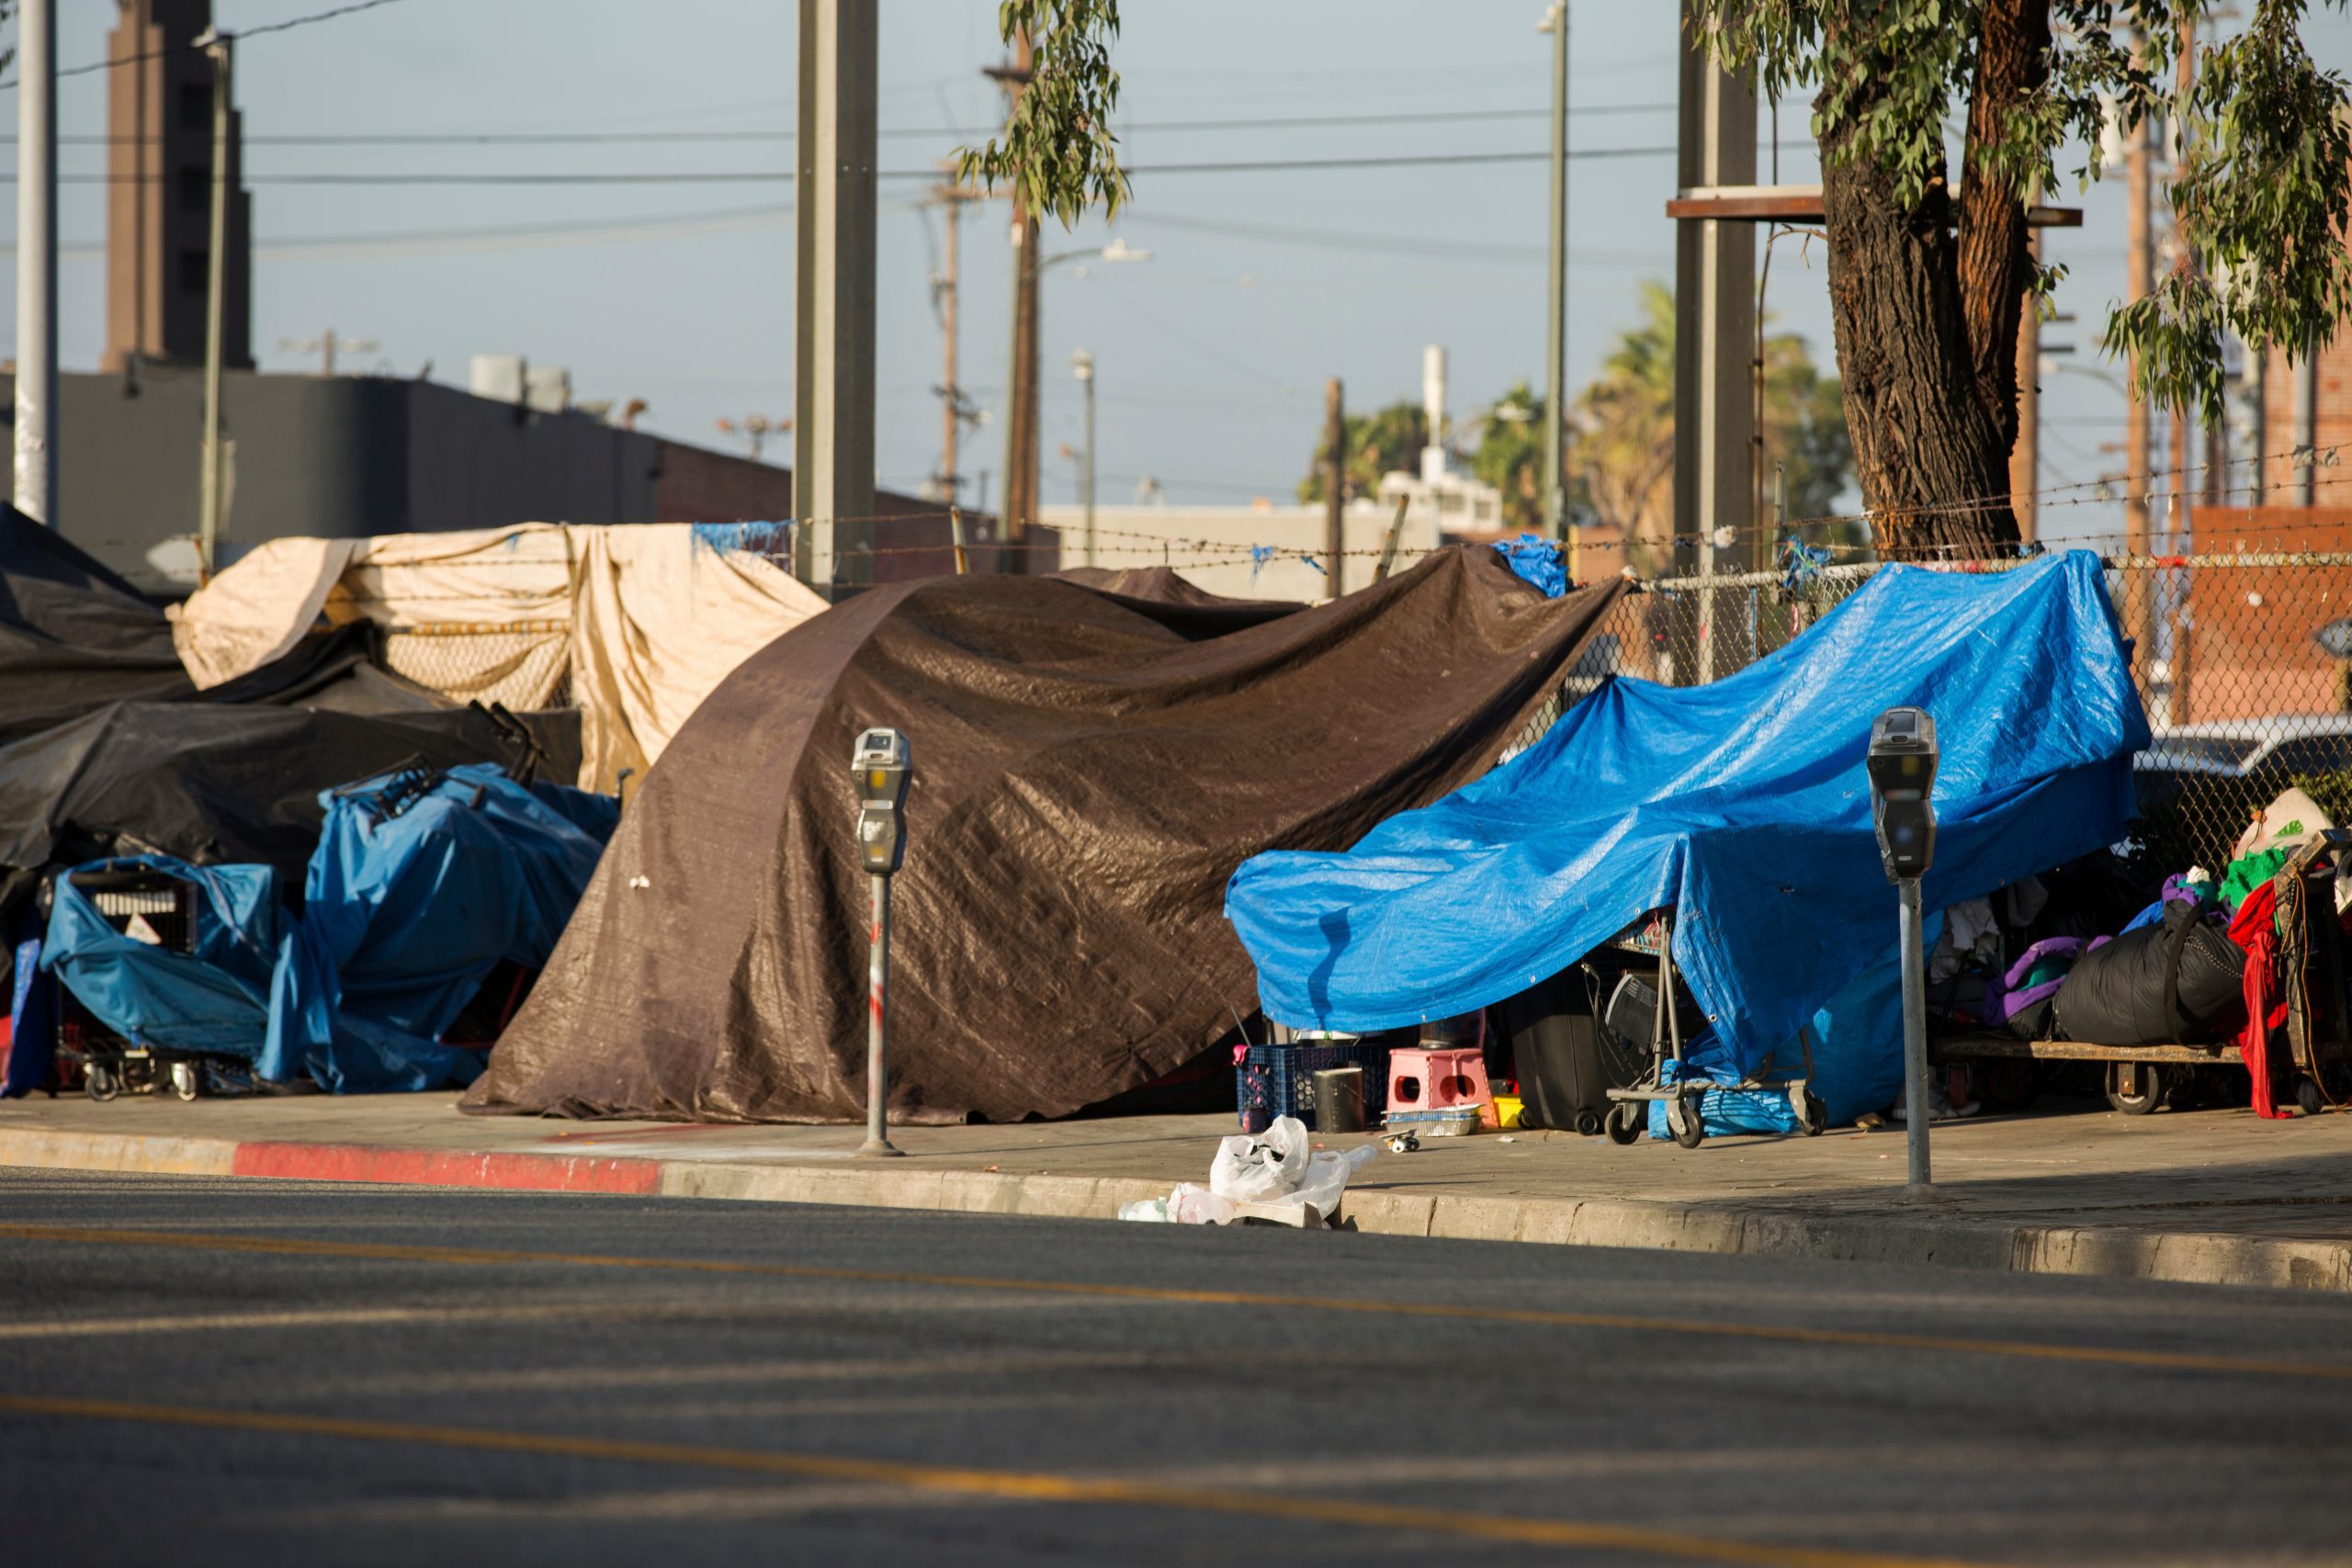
<point>1927,318</point>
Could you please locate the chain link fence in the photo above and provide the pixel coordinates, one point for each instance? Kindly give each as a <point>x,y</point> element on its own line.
<point>527,665</point>
<point>2244,662</point>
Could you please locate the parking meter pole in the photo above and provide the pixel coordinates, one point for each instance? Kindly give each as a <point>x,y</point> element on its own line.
<point>1914,1044</point>
<point>877,1028</point>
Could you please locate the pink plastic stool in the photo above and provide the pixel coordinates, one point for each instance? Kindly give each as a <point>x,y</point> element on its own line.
<point>1422,1079</point>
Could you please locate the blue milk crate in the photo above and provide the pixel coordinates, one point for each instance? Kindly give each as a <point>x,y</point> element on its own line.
<point>1279,1080</point>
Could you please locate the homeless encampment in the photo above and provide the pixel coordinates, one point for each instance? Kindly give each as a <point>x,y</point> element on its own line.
<point>424,880</point>
<point>1741,804</point>
<point>1088,770</point>
<point>633,624</point>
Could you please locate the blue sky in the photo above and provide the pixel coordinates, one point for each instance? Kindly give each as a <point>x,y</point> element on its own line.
<point>1211,357</point>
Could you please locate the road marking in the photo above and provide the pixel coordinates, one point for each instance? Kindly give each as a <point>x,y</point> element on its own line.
<point>1026,1487</point>
<point>1629,1323</point>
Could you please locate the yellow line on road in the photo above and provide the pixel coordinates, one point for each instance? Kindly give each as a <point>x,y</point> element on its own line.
<point>1631,1322</point>
<point>1022,1486</point>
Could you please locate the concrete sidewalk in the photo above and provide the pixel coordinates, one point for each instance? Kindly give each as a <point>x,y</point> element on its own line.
<point>2213,1197</point>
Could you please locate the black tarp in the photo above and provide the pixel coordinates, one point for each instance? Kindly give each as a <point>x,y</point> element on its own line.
<point>218,785</point>
<point>1089,769</point>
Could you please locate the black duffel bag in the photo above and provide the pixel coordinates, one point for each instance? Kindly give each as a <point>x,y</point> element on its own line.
<point>2182,982</point>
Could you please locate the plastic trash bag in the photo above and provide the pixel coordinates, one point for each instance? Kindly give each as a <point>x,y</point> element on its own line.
<point>1251,1169</point>
<point>1277,1177</point>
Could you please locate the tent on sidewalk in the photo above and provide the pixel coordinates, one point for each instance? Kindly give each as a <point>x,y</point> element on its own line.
<point>635,623</point>
<point>1741,804</point>
<point>1089,770</point>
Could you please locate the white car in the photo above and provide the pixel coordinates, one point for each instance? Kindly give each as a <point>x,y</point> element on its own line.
<point>2277,746</point>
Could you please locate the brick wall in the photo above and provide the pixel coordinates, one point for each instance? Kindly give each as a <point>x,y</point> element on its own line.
<point>2250,648</point>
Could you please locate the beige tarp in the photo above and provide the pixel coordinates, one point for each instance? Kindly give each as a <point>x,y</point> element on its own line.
<point>635,623</point>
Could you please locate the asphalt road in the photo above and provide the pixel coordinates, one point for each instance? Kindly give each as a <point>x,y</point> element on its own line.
<point>195,1373</point>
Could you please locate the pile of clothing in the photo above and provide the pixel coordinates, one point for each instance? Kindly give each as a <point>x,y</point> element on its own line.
<point>2193,966</point>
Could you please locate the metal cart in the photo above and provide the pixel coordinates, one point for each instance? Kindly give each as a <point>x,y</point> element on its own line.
<point>2144,1078</point>
<point>156,908</point>
<point>1629,1108</point>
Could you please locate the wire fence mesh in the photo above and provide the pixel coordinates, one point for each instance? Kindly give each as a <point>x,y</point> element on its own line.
<point>526,665</point>
<point>2243,660</point>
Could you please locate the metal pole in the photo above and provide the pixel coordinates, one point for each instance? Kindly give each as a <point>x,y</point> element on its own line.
<point>1335,486</point>
<point>1915,1045</point>
<point>877,1028</point>
<point>220,46</point>
<point>833,416</point>
<point>1555,375</point>
<point>1084,365</point>
<point>36,395</point>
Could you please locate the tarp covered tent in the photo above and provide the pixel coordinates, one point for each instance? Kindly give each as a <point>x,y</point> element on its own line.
<point>74,637</point>
<point>1089,769</point>
<point>637,622</point>
<point>1742,803</point>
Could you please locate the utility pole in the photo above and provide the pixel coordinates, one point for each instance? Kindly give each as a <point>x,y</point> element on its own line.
<point>2025,458</point>
<point>2138,597</point>
<point>1335,485</point>
<point>833,416</point>
<point>1021,396</point>
<point>1081,365</point>
<point>947,289</point>
<point>1556,332</point>
<point>1714,303</point>
<point>221,48</point>
<point>2305,463</point>
<point>325,346</point>
<point>36,393</point>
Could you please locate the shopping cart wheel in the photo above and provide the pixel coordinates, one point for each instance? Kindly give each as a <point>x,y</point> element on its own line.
<point>2308,1097</point>
<point>100,1082</point>
<point>1624,1121</point>
<point>184,1080</point>
<point>1813,1116</point>
<point>1682,1119</point>
<point>2147,1089</point>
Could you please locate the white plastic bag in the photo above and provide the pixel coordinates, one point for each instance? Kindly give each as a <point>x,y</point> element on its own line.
<point>1327,1178</point>
<point>1254,1170</point>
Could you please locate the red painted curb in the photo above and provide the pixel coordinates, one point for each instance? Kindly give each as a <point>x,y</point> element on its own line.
<point>438,1167</point>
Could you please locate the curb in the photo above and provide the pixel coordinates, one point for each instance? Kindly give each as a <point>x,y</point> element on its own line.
<point>1950,1241</point>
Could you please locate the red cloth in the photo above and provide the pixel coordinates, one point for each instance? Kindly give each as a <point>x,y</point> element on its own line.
<point>2254,930</point>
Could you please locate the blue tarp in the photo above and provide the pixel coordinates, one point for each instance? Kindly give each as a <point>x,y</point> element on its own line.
<point>215,999</point>
<point>410,901</point>
<point>1537,561</point>
<point>420,884</point>
<point>1742,803</point>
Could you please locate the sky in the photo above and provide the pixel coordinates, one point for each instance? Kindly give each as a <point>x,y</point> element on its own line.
<point>676,286</point>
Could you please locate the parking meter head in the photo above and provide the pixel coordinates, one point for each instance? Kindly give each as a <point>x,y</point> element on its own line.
<point>879,766</point>
<point>1902,768</point>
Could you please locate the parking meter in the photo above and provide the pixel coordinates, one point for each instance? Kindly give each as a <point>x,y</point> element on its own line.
<point>880,763</point>
<point>878,767</point>
<point>1902,768</point>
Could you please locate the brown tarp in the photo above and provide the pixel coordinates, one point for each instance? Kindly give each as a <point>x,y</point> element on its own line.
<point>1089,770</point>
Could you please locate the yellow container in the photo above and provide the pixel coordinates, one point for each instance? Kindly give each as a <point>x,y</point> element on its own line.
<point>1505,1113</point>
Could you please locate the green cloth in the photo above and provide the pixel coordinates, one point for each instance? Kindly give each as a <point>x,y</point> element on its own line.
<point>2250,872</point>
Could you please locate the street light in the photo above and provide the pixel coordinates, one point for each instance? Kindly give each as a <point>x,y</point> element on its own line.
<point>1556,391</point>
<point>1081,365</point>
<point>1021,425</point>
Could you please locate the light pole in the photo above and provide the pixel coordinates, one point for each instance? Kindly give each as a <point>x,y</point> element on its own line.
<point>221,48</point>
<point>1556,374</point>
<point>1021,425</point>
<point>1081,365</point>
<point>36,394</point>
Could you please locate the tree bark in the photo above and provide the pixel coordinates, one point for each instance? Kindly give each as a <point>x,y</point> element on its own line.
<point>1927,318</point>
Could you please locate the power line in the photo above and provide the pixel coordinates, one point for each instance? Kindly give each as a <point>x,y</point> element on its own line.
<point>784,176</point>
<point>625,138</point>
<point>291,23</point>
